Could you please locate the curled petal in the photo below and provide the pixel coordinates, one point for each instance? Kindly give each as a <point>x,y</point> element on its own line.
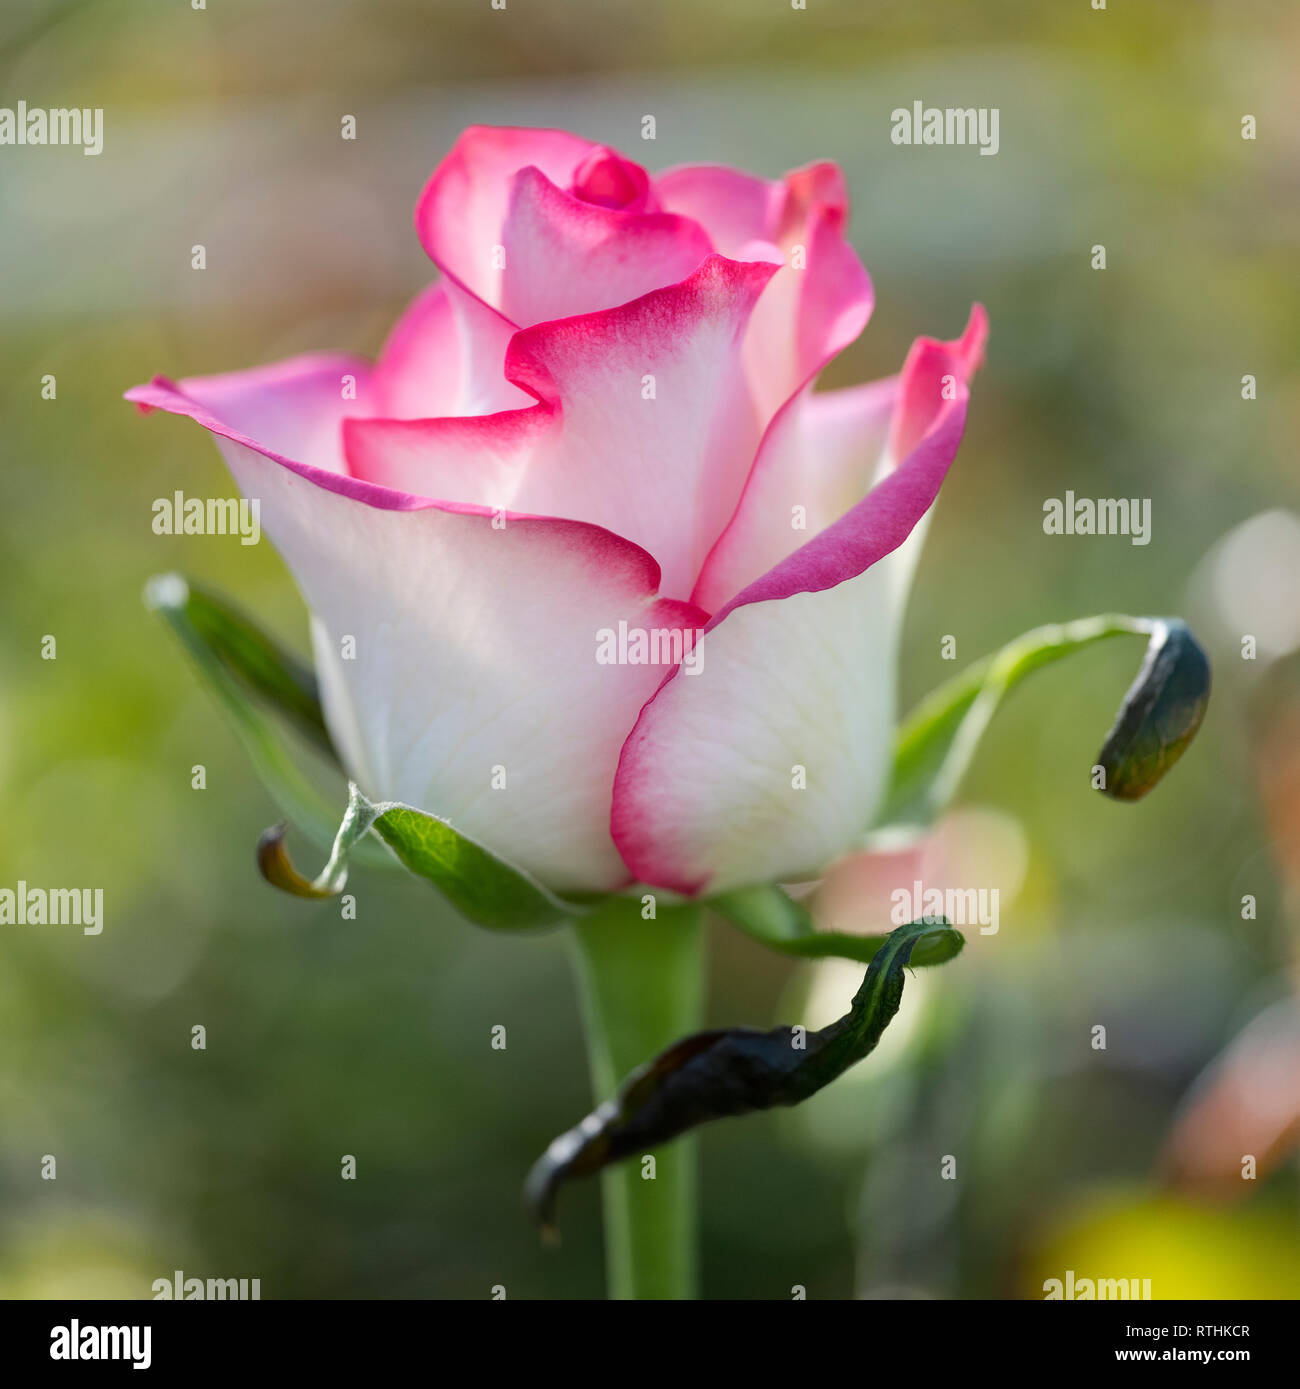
<point>643,424</point>
<point>461,213</point>
<point>564,256</point>
<point>821,298</point>
<point>295,408</point>
<point>539,225</point>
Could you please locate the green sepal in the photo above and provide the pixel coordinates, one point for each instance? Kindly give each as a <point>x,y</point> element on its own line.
<point>482,887</point>
<point>772,917</point>
<point>1159,716</point>
<point>248,672</point>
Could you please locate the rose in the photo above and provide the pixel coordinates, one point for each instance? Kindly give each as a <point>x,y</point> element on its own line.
<point>601,419</point>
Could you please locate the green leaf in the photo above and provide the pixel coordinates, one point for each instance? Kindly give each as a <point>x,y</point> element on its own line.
<point>237,662</point>
<point>482,887</point>
<point>264,666</point>
<point>712,1075</point>
<point>1160,714</point>
<point>772,917</point>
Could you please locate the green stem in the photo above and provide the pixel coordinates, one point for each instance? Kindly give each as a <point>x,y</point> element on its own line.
<point>642,988</point>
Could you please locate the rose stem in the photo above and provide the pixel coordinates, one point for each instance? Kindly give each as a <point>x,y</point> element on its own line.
<point>641,985</point>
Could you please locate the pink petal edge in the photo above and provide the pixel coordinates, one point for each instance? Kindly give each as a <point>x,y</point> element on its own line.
<point>872,529</point>
<point>613,550</point>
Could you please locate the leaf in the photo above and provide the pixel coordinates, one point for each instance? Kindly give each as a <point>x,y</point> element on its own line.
<point>482,887</point>
<point>772,917</point>
<point>235,660</point>
<point>712,1075</point>
<point>1160,714</point>
<point>262,664</point>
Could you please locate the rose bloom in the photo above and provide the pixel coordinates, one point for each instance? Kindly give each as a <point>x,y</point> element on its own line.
<point>601,420</point>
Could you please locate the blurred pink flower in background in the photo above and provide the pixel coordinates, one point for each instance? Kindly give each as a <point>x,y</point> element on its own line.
<point>974,857</point>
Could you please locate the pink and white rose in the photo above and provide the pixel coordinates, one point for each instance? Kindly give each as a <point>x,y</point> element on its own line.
<point>603,413</point>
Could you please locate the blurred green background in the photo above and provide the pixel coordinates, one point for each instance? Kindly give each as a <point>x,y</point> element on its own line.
<point>371,1037</point>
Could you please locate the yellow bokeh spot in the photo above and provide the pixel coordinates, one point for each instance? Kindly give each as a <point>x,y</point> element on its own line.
<point>1187,1250</point>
